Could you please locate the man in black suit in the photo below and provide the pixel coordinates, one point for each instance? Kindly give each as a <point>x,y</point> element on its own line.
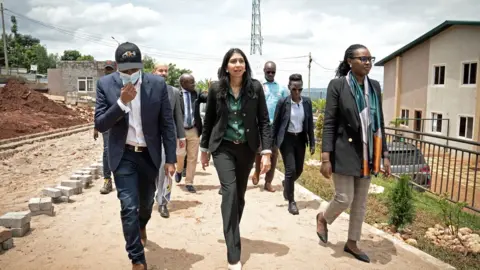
<point>293,130</point>
<point>135,108</point>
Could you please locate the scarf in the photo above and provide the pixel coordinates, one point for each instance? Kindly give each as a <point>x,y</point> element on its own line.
<point>369,111</point>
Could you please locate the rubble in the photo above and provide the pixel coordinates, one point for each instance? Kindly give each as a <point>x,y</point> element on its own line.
<point>464,242</point>
<point>24,111</point>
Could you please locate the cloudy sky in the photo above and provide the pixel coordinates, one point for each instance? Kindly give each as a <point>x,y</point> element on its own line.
<point>195,34</point>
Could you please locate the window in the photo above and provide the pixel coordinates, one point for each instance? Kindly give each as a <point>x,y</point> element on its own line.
<point>439,75</point>
<point>437,122</point>
<point>465,129</point>
<point>469,73</point>
<point>405,115</point>
<point>85,84</point>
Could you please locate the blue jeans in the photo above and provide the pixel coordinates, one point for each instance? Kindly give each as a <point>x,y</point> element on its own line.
<point>107,174</point>
<point>135,183</point>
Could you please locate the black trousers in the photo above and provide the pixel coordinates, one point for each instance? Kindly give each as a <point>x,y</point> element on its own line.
<point>293,154</point>
<point>233,163</point>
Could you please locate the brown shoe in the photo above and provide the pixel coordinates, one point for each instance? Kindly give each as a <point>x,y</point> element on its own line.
<point>268,187</point>
<point>255,178</point>
<point>139,266</point>
<point>143,236</point>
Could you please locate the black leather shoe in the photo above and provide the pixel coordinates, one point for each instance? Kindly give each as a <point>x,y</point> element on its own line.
<point>292,208</point>
<point>360,256</point>
<point>163,209</point>
<point>191,189</point>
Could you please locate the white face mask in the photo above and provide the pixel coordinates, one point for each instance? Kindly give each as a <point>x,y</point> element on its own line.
<point>127,78</point>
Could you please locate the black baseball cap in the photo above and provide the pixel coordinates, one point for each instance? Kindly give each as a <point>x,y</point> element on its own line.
<point>128,56</point>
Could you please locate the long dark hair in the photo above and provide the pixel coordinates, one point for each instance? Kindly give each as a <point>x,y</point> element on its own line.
<point>344,67</point>
<point>224,77</point>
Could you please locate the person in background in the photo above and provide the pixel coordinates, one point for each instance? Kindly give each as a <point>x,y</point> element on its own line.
<point>293,130</point>
<point>353,143</point>
<point>134,107</point>
<point>176,101</point>
<point>236,124</point>
<point>193,128</point>
<point>273,93</point>
<point>110,67</point>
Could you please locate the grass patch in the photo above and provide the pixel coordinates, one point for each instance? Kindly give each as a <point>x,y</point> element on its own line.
<point>428,213</point>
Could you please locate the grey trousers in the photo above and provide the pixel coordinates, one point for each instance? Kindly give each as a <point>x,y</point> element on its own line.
<point>349,192</point>
<point>160,182</point>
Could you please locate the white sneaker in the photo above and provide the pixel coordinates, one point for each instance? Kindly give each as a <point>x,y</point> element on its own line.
<point>237,266</point>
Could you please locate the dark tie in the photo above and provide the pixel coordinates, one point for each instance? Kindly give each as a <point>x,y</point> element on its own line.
<point>189,110</point>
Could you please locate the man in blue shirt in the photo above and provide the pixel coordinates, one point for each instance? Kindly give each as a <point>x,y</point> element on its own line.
<point>273,93</point>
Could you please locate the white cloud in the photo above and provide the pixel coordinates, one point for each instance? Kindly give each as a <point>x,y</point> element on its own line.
<point>196,34</point>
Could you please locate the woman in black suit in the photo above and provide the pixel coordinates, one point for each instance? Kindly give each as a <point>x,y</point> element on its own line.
<point>353,143</point>
<point>236,124</point>
<point>292,132</point>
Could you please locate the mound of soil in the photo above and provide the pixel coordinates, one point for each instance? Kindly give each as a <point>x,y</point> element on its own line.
<point>25,111</point>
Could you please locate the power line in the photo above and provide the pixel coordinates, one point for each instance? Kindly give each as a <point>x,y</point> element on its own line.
<point>107,42</point>
<point>315,62</point>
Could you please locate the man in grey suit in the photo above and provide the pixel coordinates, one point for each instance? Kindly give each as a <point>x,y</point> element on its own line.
<point>134,107</point>
<point>176,101</point>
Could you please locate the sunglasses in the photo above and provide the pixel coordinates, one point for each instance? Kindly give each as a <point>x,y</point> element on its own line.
<point>365,59</point>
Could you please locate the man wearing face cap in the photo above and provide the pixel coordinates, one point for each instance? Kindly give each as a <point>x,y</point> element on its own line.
<point>135,108</point>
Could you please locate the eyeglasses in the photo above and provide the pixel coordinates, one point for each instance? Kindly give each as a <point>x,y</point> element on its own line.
<point>365,59</point>
<point>270,72</point>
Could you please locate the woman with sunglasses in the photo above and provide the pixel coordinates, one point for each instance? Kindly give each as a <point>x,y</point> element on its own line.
<point>292,131</point>
<point>353,143</point>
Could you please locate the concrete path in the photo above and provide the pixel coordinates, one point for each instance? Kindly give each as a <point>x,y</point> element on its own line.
<point>87,234</point>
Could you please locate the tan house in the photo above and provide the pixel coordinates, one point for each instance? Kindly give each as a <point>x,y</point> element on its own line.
<point>436,78</point>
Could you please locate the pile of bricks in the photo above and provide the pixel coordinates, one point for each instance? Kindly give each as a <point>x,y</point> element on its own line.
<point>17,222</point>
<point>6,240</point>
<point>41,206</point>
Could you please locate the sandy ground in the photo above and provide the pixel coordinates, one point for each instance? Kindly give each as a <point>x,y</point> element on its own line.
<point>86,233</point>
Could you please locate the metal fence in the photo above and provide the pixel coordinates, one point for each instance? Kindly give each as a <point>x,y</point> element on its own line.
<point>435,166</point>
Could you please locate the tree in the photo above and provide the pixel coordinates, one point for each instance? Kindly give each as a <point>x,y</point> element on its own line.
<point>148,64</point>
<point>174,74</point>
<point>204,84</point>
<point>70,55</point>
<point>400,203</point>
<point>85,58</point>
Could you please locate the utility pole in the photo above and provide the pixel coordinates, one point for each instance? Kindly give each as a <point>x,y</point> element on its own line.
<point>309,71</point>
<point>4,37</point>
<point>256,39</point>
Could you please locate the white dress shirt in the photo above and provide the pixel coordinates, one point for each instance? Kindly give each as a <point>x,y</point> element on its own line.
<point>297,115</point>
<point>135,135</point>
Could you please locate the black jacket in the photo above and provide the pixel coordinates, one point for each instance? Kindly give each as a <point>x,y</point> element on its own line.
<point>255,118</point>
<point>281,121</point>
<point>196,99</point>
<point>342,135</point>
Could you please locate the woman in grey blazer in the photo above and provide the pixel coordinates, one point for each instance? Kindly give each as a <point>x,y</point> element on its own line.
<point>353,143</point>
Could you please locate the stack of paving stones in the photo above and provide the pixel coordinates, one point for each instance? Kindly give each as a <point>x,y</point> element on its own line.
<point>6,240</point>
<point>41,206</point>
<point>17,222</point>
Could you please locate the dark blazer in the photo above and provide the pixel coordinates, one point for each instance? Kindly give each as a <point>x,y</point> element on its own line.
<point>281,121</point>
<point>202,98</point>
<point>254,113</point>
<point>342,128</point>
<point>196,107</point>
<point>176,101</point>
<point>157,118</point>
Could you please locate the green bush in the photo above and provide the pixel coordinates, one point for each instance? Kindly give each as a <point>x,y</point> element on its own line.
<point>400,203</point>
<point>319,132</point>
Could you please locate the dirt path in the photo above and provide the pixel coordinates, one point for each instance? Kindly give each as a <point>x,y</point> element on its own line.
<point>86,233</point>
